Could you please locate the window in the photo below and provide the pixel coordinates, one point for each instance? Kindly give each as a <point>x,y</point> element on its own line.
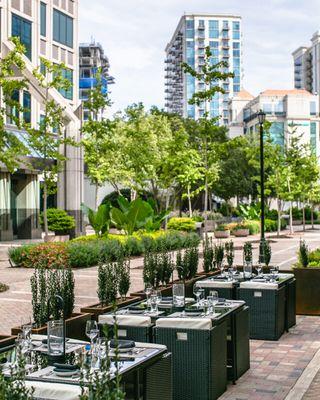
<point>191,111</point>
<point>190,86</point>
<point>190,52</point>
<point>43,69</point>
<point>267,108</point>
<point>26,107</point>
<point>67,93</point>
<point>213,29</point>
<point>313,108</point>
<point>313,136</point>
<point>62,28</point>
<point>236,30</point>
<point>214,107</point>
<point>236,88</point>
<point>43,19</point>
<point>13,109</point>
<point>279,107</point>
<point>277,133</point>
<point>22,29</point>
<point>190,28</point>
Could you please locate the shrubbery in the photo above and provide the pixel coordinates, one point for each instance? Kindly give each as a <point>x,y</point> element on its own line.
<point>91,250</point>
<point>182,224</point>
<point>59,221</point>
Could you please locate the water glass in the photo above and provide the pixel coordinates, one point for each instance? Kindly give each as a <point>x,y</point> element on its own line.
<point>92,331</point>
<point>213,299</point>
<point>55,337</point>
<point>148,290</point>
<point>247,270</point>
<point>259,268</point>
<point>178,294</point>
<point>154,303</point>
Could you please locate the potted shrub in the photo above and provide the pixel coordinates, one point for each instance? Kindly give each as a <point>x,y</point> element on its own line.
<point>60,223</point>
<point>212,220</point>
<point>222,232</point>
<point>241,230</point>
<point>229,250</point>
<point>307,274</point>
<point>182,224</point>
<point>45,284</point>
<point>113,278</point>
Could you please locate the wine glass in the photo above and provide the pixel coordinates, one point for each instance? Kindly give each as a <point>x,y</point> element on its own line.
<point>197,292</point>
<point>154,303</point>
<point>259,268</point>
<point>159,296</point>
<point>148,290</point>
<point>92,331</point>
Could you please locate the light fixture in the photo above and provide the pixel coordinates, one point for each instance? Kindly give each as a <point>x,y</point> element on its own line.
<point>261,117</point>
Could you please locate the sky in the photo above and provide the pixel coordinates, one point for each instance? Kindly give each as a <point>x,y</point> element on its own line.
<point>134,34</point>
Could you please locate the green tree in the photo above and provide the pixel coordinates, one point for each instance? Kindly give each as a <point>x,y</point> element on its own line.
<point>12,148</point>
<point>46,140</point>
<point>210,75</point>
<point>97,137</point>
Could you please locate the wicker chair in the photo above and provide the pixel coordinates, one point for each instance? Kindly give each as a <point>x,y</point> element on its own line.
<point>226,290</point>
<point>198,356</point>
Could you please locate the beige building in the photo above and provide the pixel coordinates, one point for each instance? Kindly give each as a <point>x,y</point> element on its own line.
<point>47,28</point>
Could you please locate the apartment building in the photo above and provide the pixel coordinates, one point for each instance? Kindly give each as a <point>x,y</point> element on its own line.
<point>289,111</point>
<point>307,66</point>
<point>223,34</point>
<point>47,28</point>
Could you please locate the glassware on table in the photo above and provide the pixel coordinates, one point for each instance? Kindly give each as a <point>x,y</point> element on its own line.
<point>221,267</point>
<point>213,299</point>
<point>159,296</point>
<point>259,268</point>
<point>247,270</point>
<point>92,331</point>
<point>148,290</point>
<point>198,292</point>
<point>154,303</point>
<point>178,294</point>
<point>274,272</point>
<point>230,274</point>
<point>55,331</point>
<point>22,343</point>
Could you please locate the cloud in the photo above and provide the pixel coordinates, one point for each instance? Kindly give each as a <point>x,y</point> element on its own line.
<point>134,34</point>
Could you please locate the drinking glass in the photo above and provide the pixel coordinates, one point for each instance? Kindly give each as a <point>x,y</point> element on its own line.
<point>92,331</point>
<point>221,267</point>
<point>22,344</point>
<point>159,296</point>
<point>55,337</point>
<point>154,303</point>
<point>213,299</point>
<point>198,292</point>
<point>259,268</point>
<point>102,346</point>
<point>247,270</point>
<point>178,294</point>
<point>26,331</point>
<point>148,290</point>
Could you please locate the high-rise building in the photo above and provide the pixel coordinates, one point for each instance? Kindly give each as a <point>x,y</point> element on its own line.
<point>47,28</point>
<point>223,34</point>
<point>92,59</point>
<point>289,111</point>
<point>307,66</point>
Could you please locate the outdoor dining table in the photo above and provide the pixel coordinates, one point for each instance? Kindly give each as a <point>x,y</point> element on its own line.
<point>144,372</point>
<point>271,303</point>
<point>234,313</point>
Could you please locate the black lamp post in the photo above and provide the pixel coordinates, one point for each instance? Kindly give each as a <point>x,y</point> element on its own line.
<point>261,118</point>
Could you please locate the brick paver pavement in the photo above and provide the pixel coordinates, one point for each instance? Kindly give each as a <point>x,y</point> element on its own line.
<point>313,393</point>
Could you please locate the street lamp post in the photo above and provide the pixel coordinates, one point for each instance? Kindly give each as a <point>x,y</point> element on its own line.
<point>261,118</point>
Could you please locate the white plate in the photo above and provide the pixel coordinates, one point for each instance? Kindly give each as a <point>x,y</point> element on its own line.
<point>66,373</point>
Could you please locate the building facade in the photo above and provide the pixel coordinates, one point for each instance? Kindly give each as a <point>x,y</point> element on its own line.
<point>307,66</point>
<point>47,28</point>
<point>91,59</point>
<point>223,34</point>
<point>289,111</point>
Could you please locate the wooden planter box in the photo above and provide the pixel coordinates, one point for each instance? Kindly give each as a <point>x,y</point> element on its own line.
<point>75,327</point>
<point>241,232</point>
<point>307,290</point>
<point>7,340</point>
<point>97,309</point>
<point>222,234</point>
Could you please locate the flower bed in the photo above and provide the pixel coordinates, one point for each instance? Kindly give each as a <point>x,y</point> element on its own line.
<point>87,251</point>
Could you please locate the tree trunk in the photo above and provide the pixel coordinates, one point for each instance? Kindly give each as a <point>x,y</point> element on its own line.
<point>279,216</point>
<point>96,197</point>
<point>45,204</point>
<point>189,202</point>
<point>312,216</point>
<point>290,218</point>
<point>303,217</point>
<point>167,206</point>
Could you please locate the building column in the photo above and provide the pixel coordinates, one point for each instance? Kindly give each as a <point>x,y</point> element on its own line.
<point>6,231</point>
<point>70,182</point>
<point>28,207</point>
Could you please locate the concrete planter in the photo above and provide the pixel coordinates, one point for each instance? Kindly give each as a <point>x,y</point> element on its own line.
<point>97,309</point>
<point>241,232</point>
<point>222,234</point>
<point>209,225</point>
<point>75,327</point>
<point>307,290</point>
<point>57,238</point>
<point>296,222</point>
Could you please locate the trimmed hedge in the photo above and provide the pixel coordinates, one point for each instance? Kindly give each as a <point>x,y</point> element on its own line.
<point>182,224</point>
<point>86,252</point>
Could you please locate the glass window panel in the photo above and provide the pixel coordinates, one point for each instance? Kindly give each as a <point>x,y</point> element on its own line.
<point>62,28</point>
<point>22,29</point>
<point>313,108</point>
<point>27,107</point>
<point>43,19</point>
<point>277,133</point>
<point>313,136</point>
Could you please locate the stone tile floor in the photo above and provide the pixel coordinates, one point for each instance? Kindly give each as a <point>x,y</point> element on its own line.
<point>276,366</point>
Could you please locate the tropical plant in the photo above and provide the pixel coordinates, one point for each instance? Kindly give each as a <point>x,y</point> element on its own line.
<point>131,216</point>
<point>303,254</point>
<point>249,212</point>
<point>229,249</point>
<point>58,221</point>
<point>247,252</point>
<point>100,219</point>
<point>208,254</point>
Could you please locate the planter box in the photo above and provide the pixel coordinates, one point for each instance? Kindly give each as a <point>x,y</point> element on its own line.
<point>222,234</point>
<point>7,340</point>
<point>297,222</point>
<point>209,225</point>
<point>75,327</point>
<point>97,309</point>
<point>307,290</point>
<point>241,232</point>
<point>57,238</point>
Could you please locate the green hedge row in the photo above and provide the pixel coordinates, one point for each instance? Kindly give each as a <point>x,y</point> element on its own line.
<point>87,253</point>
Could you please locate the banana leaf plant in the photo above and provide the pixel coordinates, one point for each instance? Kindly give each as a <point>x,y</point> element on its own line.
<point>155,220</point>
<point>100,219</point>
<point>131,216</point>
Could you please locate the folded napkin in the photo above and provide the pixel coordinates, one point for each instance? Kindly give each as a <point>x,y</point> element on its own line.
<point>65,367</point>
<point>122,344</point>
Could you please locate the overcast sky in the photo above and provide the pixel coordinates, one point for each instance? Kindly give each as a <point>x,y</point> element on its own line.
<point>134,34</point>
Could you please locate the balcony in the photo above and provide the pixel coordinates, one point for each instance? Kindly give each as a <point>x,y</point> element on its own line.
<point>89,83</point>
